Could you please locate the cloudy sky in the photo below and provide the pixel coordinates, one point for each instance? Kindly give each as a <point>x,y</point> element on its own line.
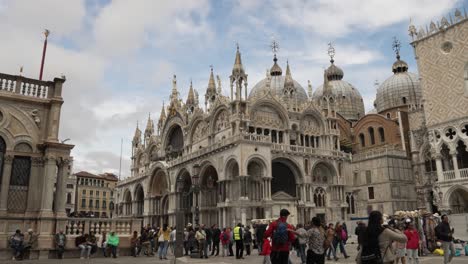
<point>119,56</point>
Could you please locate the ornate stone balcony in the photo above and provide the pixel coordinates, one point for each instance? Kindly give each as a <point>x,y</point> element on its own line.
<point>23,86</point>
<point>390,151</point>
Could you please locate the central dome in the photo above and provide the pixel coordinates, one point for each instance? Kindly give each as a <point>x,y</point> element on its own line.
<point>279,85</point>
<point>276,87</point>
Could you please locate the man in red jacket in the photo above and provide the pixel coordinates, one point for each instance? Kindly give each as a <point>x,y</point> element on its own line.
<point>279,231</point>
<point>413,243</point>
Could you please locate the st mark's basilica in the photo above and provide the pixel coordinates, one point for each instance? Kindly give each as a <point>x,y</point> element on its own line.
<point>276,144</point>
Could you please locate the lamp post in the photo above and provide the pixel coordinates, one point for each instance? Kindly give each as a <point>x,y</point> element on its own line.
<point>179,219</point>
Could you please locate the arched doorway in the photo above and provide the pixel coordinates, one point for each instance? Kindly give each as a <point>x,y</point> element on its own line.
<point>209,195</point>
<point>186,199</point>
<point>159,188</point>
<point>284,190</point>
<point>256,169</point>
<point>458,201</point>
<point>284,177</point>
<point>127,203</point>
<point>139,201</point>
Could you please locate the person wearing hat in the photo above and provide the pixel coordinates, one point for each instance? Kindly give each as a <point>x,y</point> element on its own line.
<point>282,237</point>
<point>31,240</point>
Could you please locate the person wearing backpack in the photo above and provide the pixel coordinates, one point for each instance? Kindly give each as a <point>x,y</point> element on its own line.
<point>340,237</point>
<point>225,239</point>
<point>239,238</point>
<point>282,237</point>
<point>377,242</point>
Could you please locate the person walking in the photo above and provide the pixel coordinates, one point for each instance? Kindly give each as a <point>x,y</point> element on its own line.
<point>266,251</point>
<point>172,240</point>
<point>60,242</point>
<point>339,239</point>
<point>361,226</point>
<point>186,244</point>
<point>209,238</point>
<point>377,241</point>
<point>279,232</point>
<point>400,252</point>
<point>412,246</point>
<point>200,236</point>
<point>238,237</point>
<point>216,239</point>
<point>247,241</point>
<point>302,239</point>
<point>113,242</point>
<point>316,242</point>
<point>225,240</point>
<point>445,233</point>
<point>163,239</point>
<point>259,232</point>
<point>231,242</point>
<point>331,238</point>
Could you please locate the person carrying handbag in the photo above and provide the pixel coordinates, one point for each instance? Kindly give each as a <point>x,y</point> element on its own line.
<point>163,240</point>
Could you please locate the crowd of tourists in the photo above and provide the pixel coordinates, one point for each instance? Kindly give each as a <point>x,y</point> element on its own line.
<point>380,240</point>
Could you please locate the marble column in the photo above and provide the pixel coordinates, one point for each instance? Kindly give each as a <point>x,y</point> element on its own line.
<point>440,173</point>
<point>34,195</point>
<point>60,193</point>
<point>50,173</point>
<point>455,164</point>
<point>7,162</point>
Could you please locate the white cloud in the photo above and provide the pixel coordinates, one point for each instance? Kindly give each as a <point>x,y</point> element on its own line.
<point>123,27</point>
<point>338,18</point>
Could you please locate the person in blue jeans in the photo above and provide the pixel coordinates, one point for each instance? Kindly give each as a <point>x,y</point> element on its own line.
<point>331,238</point>
<point>339,239</point>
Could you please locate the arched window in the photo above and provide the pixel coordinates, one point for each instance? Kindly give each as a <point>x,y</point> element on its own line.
<point>104,205</point>
<point>389,115</point>
<point>351,203</point>
<point>371,135</point>
<point>404,100</point>
<point>320,197</point>
<point>362,140</point>
<point>381,135</point>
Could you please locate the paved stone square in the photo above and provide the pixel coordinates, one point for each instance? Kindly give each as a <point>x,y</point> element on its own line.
<point>219,260</point>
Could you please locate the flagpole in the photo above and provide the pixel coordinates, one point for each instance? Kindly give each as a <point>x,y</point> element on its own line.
<point>120,165</point>
<point>46,33</point>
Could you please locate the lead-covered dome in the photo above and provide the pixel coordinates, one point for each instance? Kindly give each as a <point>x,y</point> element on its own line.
<point>279,84</point>
<point>349,101</point>
<point>400,89</point>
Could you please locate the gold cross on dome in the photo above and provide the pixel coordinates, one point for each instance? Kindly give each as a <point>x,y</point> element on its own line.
<point>331,50</point>
<point>396,46</point>
<point>274,46</point>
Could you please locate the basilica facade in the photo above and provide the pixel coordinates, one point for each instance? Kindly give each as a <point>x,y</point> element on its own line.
<point>277,145</point>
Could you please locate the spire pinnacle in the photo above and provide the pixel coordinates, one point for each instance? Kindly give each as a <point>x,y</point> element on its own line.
<point>309,86</point>
<point>191,96</point>
<point>175,92</point>
<point>238,68</point>
<point>331,52</point>
<point>163,113</point>
<point>211,82</point>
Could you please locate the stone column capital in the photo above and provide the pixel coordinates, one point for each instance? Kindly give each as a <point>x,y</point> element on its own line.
<point>8,159</point>
<point>37,161</point>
